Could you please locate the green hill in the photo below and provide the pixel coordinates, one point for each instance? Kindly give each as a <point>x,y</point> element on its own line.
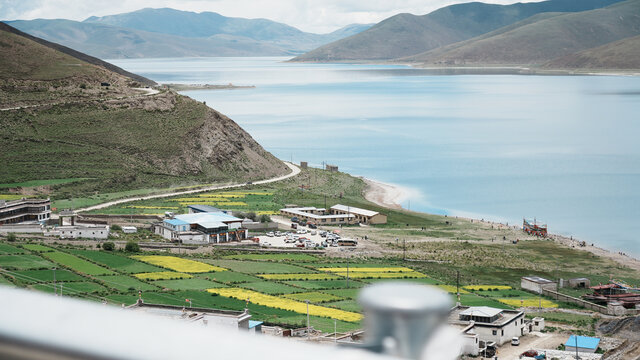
<point>405,34</point>
<point>58,121</point>
<point>540,39</point>
<point>620,55</point>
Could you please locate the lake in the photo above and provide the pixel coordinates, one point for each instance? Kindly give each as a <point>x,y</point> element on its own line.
<point>563,149</point>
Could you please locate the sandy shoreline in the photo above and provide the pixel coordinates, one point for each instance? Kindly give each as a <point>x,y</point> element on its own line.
<point>391,196</point>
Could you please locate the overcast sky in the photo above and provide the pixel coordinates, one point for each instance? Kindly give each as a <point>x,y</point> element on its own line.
<point>318,16</point>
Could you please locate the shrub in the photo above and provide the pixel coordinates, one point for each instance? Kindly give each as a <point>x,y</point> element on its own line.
<point>132,247</point>
<point>109,246</point>
<point>251,215</point>
<point>11,237</point>
<point>116,228</point>
<point>265,218</point>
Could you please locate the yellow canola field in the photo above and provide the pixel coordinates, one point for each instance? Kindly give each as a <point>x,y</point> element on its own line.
<point>299,276</point>
<point>226,203</point>
<point>267,212</point>
<point>222,195</point>
<point>452,289</point>
<point>528,303</point>
<point>286,304</point>
<point>178,264</point>
<point>162,275</point>
<point>381,275</point>
<point>487,287</point>
<point>367,269</point>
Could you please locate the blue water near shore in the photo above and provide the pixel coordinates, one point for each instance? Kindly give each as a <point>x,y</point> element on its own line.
<point>564,149</point>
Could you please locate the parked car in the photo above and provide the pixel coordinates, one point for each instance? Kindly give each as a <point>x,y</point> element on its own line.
<point>323,233</point>
<point>313,226</point>
<point>299,245</point>
<point>294,219</point>
<point>324,244</point>
<point>302,223</point>
<point>515,341</point>
<point>270,234</point>
<point>265,244</point>
<point>278,233</point>
<point>294,225</point>
<point>313,232</point>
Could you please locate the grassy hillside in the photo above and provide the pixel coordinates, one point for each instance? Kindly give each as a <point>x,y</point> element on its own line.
<point>541,39</point>
<point>405,34</point>
<point>620,55</point>
<point>113,137</point>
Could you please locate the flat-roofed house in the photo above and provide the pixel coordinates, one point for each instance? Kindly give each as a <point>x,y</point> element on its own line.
<point>537,284</point>
<point>490,324</point>
<point>202,227</point>
<point>318,216</point>
<point>582,343</point>
<point>25,211</point>
<point>362,216</point>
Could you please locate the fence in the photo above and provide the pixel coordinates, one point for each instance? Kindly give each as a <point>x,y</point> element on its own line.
<point>586,304</point>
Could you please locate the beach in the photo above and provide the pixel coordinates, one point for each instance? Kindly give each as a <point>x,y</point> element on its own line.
<point>392,196</point>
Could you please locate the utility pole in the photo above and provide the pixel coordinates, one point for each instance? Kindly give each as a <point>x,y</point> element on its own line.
<point>404,249</point>
<point>335,331</point>
<point>61,284</point>
<point>325,202</point>
<point>55,289</point>
<point>308,329</point>
<point>458,284</point>
<point>347,271</point>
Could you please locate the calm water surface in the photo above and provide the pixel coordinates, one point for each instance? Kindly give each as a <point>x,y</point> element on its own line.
<point>564,149</point>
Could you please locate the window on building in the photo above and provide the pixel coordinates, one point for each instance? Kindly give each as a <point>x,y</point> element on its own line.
<point>495,332</point>
<point>502,332</point>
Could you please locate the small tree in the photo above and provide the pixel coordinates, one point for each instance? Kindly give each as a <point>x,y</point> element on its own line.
<point>116,228</point>
<point>109,246</point>
<point>132,246</point>
<point>251,215</point>
<point>11,237</point>
<point>265,218</point>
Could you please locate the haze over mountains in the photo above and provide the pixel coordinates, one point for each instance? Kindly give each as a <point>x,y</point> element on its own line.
<point>174,33</point>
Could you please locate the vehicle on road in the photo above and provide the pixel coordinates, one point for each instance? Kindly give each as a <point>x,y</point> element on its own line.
<point>302,223</point>
<point>299,245</point>
<point>313,226</point>
<point>347,242</point>
<point>294,219</point>
<point>515,341</point>
<point>313,232</point>
<point>265,244</point>
<point>270,234</point>
<point>294,225</point>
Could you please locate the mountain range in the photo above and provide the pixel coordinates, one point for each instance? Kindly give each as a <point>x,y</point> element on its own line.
<point>174,33</point>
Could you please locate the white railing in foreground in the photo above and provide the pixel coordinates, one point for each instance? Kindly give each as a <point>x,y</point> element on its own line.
<point>35,325</point>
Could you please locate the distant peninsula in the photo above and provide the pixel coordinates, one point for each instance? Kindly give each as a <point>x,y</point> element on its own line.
<point>186,87</point>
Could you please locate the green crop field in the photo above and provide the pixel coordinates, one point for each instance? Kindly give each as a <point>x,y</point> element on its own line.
<point>347,305</point>
<point>37,248</point>
<point>344,293</point>
<point>33,183</point>
<point>270,287</point>
<point>6,249</point>
<point>116,262</point>
<point>475,300</point>
<point>4,281</point>
<point>32,276</point>
<point>273,257</point>
<point>72,288</point>
<point>77,264</point>
<point>228,277</point>
<point>188,284</point>
<point>125,283</point>
<point>325,284</point>
<point>258,267</point>
<point>24,262</point>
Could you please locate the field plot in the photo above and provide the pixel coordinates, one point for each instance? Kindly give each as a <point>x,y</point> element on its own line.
<point>4,281</point>
<point>452,289</point>
<point>24,262</point>
<point>531,302</point>
<point>228,277</point>
<point>347,305</point>
<point>475,300</point>
<point>381,275</point>
<point>506,293</point>
<point>423,281</point>
<point>313,296</point>
<point>188,284</point>
<point>344,293</point>
<point>6,249</point>
<point>270,287</point>
<point>273,257</point>
<point>367,269</point>
<point>72,288</point>
<point>300,276</point>
<point>325,284</point>
<point>33,276</point>
<point>77,264</point>
<point>178,264</point>
<point>37,248</point>
<point>163,275</point>
<point>286,304</point>
<point>117,262</point>
<point>259,267</point>
<point>125,283</point>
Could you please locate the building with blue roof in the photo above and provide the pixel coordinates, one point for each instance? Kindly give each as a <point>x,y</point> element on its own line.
<point>202,228</point>
<point>583,343</point>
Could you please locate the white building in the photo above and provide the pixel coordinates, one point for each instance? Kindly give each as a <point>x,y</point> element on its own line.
<point>490,324</point>
<point>238,320</point>
<point>81,231</point>
<point>337,214</point>
<point>362,216</point>
<point>536,284</point>
<point>202,228</point>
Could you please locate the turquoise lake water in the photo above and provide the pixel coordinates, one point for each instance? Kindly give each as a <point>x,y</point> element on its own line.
<point>563,149</point>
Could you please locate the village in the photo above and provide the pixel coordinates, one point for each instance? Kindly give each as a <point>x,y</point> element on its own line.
<point>294,272</point>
